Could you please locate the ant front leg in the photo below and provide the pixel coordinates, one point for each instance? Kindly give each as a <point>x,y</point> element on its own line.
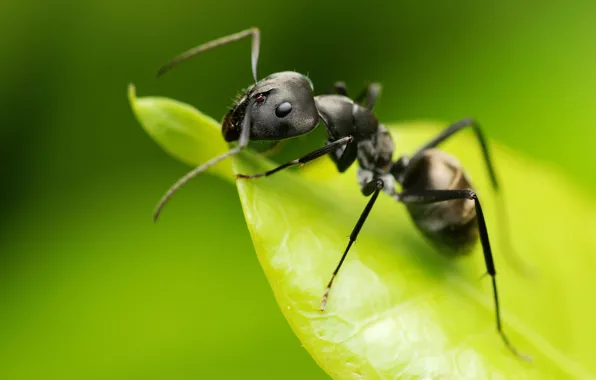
<point>373,187</point>
<point>434,196</point>
<point>344,156</point>
<point>302,160</point>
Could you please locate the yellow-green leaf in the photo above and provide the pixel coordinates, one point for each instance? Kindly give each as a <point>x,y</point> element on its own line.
<point>399,308</point>
<point>180,130</point>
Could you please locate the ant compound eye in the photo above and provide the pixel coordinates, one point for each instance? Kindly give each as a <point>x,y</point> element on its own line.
<point>260,98</point>
<point>283,109</point>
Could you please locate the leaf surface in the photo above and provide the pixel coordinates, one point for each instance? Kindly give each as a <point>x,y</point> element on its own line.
<point>399,308</point>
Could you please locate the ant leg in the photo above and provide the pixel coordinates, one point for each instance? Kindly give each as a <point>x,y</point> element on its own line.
<point>242,143</point>
<point>450,131</point>
<point>509,251</point>
<point>369,95</point>
<point>433,196</point>
<point>373,187</point>
<point>343,159</point>
<point>339,88</point>
<point>255,33</point>
<point>302,160</point>
<point>366,98</point>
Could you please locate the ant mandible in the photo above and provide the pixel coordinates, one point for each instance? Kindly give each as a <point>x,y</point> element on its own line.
<point>435,190</point>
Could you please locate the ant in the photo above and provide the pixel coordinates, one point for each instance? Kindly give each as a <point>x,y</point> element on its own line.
<point>435,189</point>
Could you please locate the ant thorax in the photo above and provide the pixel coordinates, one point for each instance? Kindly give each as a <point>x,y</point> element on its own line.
<point>376,152</point>
<point>375,159</point>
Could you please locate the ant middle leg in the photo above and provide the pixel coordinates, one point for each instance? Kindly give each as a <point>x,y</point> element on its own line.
<point>373,187</point>
<point>434,196</point>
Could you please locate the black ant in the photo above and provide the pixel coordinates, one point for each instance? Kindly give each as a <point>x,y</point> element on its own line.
<point>436,191</point>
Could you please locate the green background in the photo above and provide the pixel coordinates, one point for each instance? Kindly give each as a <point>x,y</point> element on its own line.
<point>91,288</point>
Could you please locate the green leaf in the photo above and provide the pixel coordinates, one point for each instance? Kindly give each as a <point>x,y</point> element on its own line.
<point>399,308</point>
<point>180,130</point>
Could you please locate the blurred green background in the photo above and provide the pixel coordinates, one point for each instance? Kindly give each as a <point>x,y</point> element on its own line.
<point>90,288</point>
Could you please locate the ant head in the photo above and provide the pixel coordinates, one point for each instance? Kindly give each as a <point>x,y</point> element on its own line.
<point>280,106</point>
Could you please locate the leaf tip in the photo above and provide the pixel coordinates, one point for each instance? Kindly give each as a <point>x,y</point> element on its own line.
<point>132,93</point>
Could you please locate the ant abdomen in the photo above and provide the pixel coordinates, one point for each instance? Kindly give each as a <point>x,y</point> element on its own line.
<point>450,224</point>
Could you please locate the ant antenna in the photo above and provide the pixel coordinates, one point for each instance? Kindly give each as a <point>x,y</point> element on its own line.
<point>256,43</point>
<point>242,143</point>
